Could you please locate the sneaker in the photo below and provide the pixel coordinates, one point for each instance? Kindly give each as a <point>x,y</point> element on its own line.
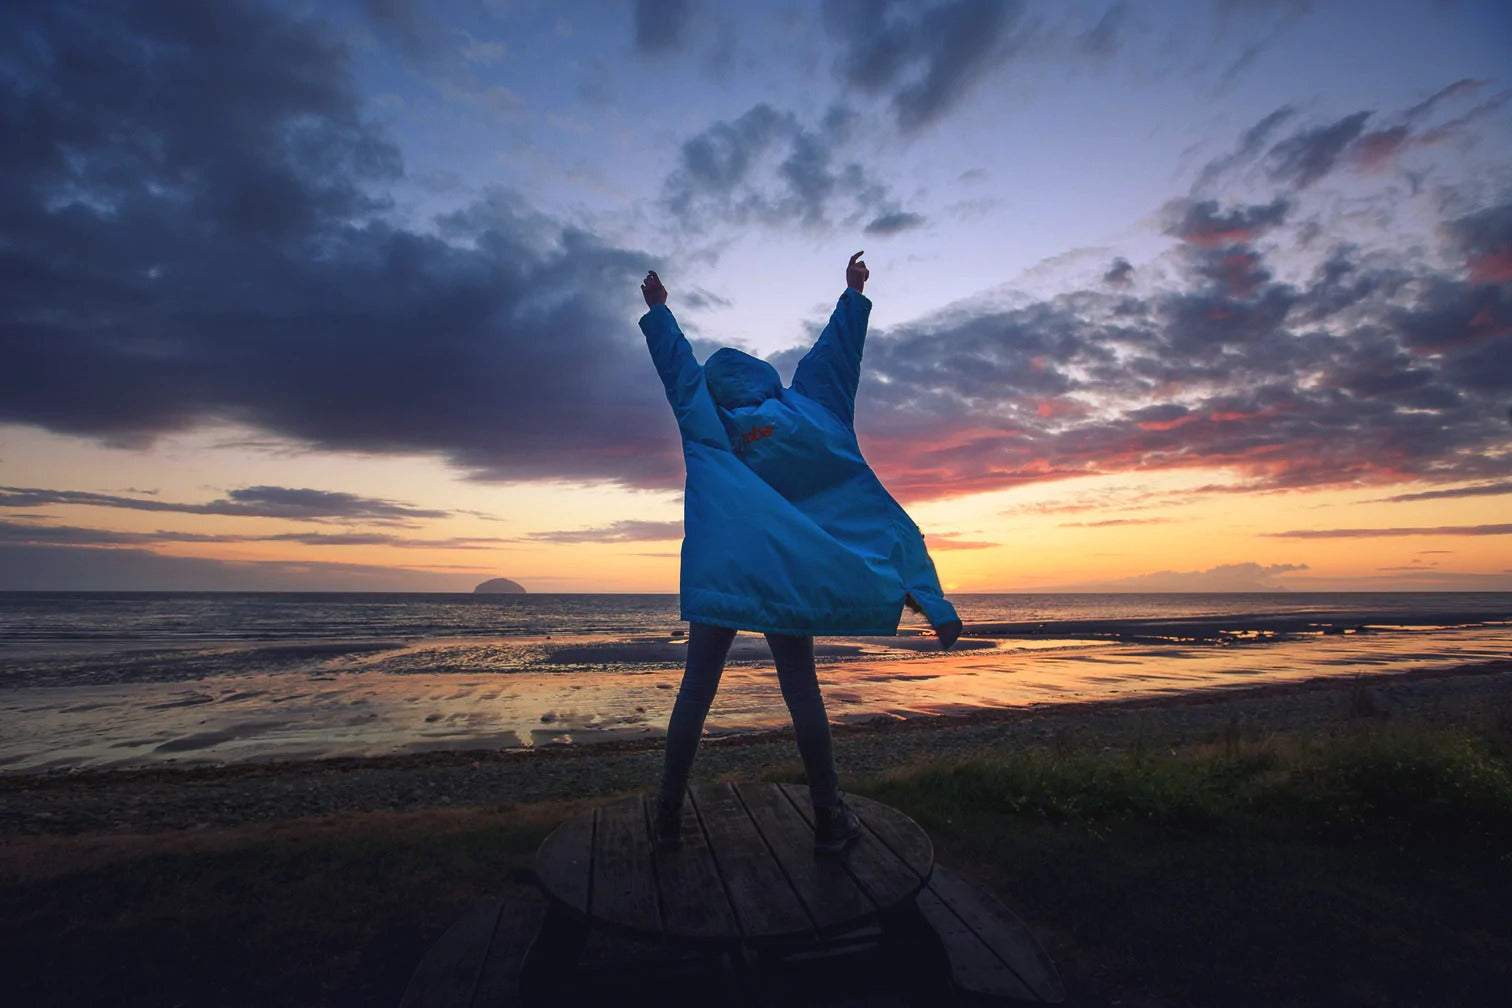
<point>668,825</point>
<point>835,827</point>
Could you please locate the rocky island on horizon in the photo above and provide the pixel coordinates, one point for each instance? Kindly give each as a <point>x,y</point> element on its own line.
<point>500,586</point>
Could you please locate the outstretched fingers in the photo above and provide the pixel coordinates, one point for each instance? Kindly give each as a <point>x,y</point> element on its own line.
<point>652,290</point>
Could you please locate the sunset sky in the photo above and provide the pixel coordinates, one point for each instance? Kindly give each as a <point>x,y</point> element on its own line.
<point>343,295</point>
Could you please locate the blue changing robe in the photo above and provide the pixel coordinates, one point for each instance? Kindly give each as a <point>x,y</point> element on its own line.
<point>786,529</point>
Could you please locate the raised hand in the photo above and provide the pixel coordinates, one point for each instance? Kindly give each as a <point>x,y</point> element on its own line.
<point>856,273</point>
<point>653,291</point>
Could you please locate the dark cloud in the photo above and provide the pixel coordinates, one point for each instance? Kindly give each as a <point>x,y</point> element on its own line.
<point>1101,41</point>
<point>892,223</point>
<point>70,568</point>
<point>67,535</point>
<point>1378,148</point>
<point>183,247</point>
<point>1367,373</point>
<point>1485,237</point>
<point>697,297</point>
<point>659,24</point>
<point>1313,151</point>
<point>1484,490</point>
<point>1206,223</point>
<point>1289,11</point>
<point>249,502</point>
<point>1119,273</point>
<point>924,57</point>
<point>410,26</point>
<point>766,167</point>
<point>1375,533</point>
<point>1251,144</point>
<point>627,530</point>
<point>1303,158</point>
<point>1459,89</point>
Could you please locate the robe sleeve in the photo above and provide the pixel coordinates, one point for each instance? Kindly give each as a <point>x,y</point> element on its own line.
<point>683,378</point>
<point>830,372</point>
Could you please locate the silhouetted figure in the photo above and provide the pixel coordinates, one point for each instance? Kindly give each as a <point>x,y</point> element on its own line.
<point>787,532</point>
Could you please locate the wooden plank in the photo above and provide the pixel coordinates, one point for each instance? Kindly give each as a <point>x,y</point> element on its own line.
<point>973,966</point>
<point>693,900</point>
<point>448,973</point>
<point>499,979</point>
<point>624,880</point>
<point>564,863</point>
<point>885,877</point>
<point>763,901</point>
<point>833,900</point>
<point>902,835</point>
<point>998,929</point>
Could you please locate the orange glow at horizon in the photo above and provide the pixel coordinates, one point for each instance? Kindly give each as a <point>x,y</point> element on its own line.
<point>1045,533</point>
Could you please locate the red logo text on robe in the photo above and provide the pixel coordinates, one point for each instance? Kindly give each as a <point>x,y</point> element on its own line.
<point>756,434</point>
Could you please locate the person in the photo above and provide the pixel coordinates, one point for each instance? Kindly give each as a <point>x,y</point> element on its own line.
<point>786,532</point>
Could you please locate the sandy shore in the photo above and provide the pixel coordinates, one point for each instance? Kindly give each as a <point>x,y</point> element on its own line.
<point>144,801</point>
<point>61,713</point>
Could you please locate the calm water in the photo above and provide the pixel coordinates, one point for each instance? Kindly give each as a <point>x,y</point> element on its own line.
<point>126,679</point>
<point>125,618</point>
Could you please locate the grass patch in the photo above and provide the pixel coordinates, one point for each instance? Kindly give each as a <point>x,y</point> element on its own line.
<point>1365,867</point>
<point>1393,782</point>
<point>1369,866</point>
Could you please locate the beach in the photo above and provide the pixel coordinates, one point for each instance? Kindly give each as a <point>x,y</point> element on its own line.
<point>323,882</point>
<point>163,798</point>
<point>94,683</point>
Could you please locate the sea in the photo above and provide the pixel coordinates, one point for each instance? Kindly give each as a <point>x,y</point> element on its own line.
<point>112,680</point>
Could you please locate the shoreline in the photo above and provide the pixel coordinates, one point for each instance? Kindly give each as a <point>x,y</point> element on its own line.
<point>266,706</point>
<point>197,797</point>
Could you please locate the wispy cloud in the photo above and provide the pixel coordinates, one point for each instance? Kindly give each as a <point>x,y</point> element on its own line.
<point>1238,577</point>
<point>766,167</point>
<point>1370,534</point>
<point>1115,522</point>
<point>1483,490</point>
<point>248,502</point>
<point>56,535</point>
<point>660,24</point>
<point>626,530</point>
<point>53,567</point>
<point>924,57</point>
<point>952,541</point>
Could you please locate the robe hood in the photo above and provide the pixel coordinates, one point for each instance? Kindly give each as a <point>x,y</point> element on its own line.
<point>736,379</point>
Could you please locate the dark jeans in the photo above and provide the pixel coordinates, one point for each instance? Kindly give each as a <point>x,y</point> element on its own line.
<point>794,657</point>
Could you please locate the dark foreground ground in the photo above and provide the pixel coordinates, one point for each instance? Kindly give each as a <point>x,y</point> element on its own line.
<point>1335,843</point>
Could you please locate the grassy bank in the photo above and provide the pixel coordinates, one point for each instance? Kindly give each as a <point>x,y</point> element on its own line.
<point>1368,865</point>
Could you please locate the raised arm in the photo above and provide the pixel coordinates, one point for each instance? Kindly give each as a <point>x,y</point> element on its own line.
<point>681,374</point>
<point>831,372</point>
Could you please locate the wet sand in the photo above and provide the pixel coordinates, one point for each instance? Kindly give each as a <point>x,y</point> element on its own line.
<point>398,698</point>
<point>126,803</point>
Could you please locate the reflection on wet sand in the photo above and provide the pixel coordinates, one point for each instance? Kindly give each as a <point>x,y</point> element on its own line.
<point>477,694</point>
